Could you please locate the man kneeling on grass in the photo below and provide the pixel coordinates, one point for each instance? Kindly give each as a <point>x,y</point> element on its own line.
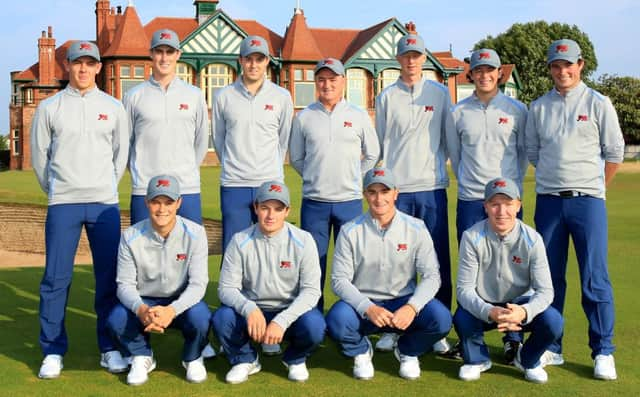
<point>162,278</point>
<point>269,288</point>
<point>376,261</point>
<point>504,282</point>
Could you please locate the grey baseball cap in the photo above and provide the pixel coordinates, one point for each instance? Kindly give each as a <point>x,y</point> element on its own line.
<point>163,185</point>
<point>504,186</point>
<point>379,175</point>
<point>485,56</point>
<point>165,37</point>
<point>410,42</point>
<point>83,49</point>
<point>253,44</point>
<point>273,190</point>
<point>330,63</point>
<point>564,49</point>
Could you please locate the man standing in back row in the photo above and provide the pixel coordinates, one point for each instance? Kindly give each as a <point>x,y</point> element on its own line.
<point>410,122</point>
<point>574,140</point>
<point>79,142</point>
<point>333,144</point>
<point>169,130</point>
<point>485,137</point>
<point>251,121</point>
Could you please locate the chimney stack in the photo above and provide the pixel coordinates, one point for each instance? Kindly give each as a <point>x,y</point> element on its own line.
<point>46,58</point>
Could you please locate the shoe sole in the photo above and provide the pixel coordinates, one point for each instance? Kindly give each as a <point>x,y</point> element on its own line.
<point>603,377</point>
<point>48,376</point>
<point>363,377</point>
<point>254,370</point>
<point>113,370</point>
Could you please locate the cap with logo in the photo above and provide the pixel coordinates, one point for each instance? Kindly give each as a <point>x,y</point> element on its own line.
<point>330,63</point>
<point>504,186</point>
<point>410,42</point>
<point>485,56</point>
<point>564,49</point>
<point>163,185</point>
<point>254,44</point>
<point>165,37</point>
<point>83,49</point>
<point>379,175</point>
<point>273,190</point>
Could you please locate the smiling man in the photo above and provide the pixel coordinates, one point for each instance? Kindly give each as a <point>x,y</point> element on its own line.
<point>504,283</point>
<point>251,122</point>
<point>269,287</point>
<point>485,137</point>
<point>169,129</point>
<point>333,143</point>
<point>410,122</point>
<point>574,140</point>
<point>162,279</point>
<point>377,260</point>
<point>79,142</point>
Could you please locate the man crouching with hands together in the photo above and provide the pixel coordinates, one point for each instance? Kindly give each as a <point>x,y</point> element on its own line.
<point>162,278</point>
<point>504,282</point>
<point>269,288</point>
<point>377,259</point>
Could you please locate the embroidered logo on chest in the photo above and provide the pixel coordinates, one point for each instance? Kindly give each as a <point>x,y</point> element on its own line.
<point>103,117</point>
<point>583,117</point>
<point>503,120</point>
<point>516,260</point>
<point>181,257</point>
<point>402,247</point>
<point>183,106</point>
<point>285,265</point>
<point>429,108</point>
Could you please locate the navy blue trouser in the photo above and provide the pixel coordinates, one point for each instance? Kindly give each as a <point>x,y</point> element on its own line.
<point>585,220</point>
<point>304,335</point>
<point>545,328</point>
<point>236,205</point>
<point>126,328</point>
<point>431,207</point>
<point>430,325</point>
<point>319,218</point>
<point>191,208</point>
<point>62,232</point>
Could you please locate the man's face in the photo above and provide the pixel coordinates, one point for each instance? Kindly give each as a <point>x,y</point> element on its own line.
<point>82,72</point>
<point>566,75</point>
<point>501,211</point>
<point>485,78</point>
<point>164,60</point>
<point>254,67</point>
<point>329,86</point>
<point>411,64</point>
<point>162,211</point>
<point>381,200</point>
<point>271,216</point>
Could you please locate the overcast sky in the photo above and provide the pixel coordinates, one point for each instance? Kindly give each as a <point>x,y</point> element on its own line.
<point>613,26</point>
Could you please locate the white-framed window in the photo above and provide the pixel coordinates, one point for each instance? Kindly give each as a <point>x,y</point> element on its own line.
<point>305,87</point>
<point>510,92</point>
<point>28,93</point>
<point>130,77</point>
<point>184,72</point>
<point>138,71</point>
<point>357,87</point>
<point>387,77</point>
<point>16,94</point>
<point>15,138</point>
<point>213,77</point>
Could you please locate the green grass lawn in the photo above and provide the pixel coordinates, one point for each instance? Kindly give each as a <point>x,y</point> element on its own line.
<point>330,372</point>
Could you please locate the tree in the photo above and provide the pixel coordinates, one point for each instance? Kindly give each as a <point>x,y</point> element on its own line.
<point>525,45</point>
<point>4,142</point>
<point>624,93</point>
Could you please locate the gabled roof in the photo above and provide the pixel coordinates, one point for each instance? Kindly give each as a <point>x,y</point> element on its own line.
<point>447,59</point>
<point>299,43</point>
<point>334,42</point>
<point>60,73</point>
<point>363,37</point>
<point>130,38</point>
